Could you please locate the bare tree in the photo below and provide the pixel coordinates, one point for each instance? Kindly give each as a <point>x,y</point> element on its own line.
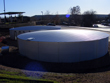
<point>47,12</point>
<point>91,12</point>
<point>89,18</point>
<point>47,17</point>
<point>75,15</point>
<point>56,19</point>
<point>75,10</point>
<point>109,17</point>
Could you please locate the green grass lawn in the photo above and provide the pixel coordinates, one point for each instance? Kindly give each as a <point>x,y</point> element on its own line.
<point>18,77</point>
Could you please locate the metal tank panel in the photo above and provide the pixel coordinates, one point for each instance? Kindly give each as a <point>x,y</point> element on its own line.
<point>64,35</point>
<point>36,28</point>
<point>25,29</point>
<point>63,45</point>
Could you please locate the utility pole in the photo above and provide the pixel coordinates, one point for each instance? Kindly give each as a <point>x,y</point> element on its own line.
<point>42,14</point>
<point>4,11</point>
<point>42,17</point>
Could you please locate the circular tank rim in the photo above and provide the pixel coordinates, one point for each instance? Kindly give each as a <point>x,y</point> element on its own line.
<point>35,28</point>
<point>33,38</point>
<point>66,42</point>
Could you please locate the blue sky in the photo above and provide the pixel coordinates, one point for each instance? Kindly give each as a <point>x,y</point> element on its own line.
<point>34,7</point>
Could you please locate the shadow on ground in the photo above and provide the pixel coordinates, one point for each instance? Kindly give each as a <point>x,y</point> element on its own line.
<point>15,60</point>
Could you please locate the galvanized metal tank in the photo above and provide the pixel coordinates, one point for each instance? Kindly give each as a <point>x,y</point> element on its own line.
<point>65,46</point>
<point>14,32</point>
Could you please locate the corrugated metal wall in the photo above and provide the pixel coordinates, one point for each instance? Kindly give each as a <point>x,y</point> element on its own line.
<point>63,51</point>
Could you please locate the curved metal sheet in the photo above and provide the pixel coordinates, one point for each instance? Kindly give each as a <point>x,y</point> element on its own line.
<point>64,35</point>
<point>36,28</point>
<point>63,51</point>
